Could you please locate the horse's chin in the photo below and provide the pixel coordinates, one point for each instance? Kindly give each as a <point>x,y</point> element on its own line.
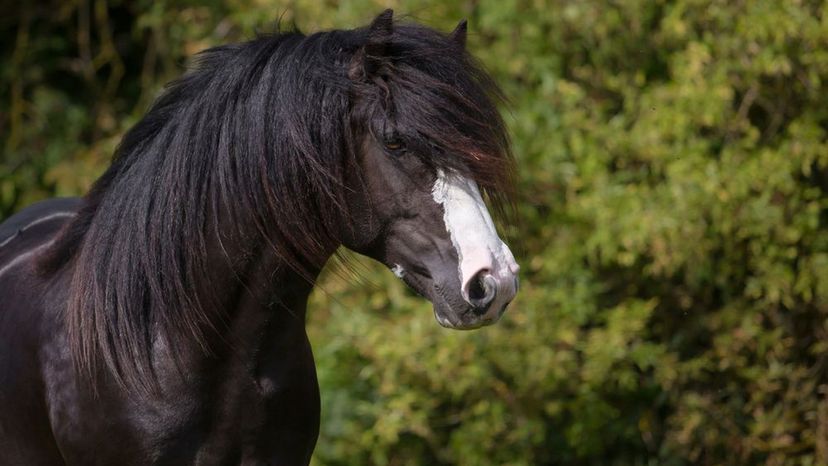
<point>463,319</point>
<point>463,325</point>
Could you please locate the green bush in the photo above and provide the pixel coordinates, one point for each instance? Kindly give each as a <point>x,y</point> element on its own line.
<point>673,177</point>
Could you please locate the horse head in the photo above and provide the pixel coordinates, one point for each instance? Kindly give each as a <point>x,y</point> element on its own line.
<point>426,137</point>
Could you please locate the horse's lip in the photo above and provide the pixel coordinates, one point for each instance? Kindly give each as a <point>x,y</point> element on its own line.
<point>460,319</point>
<point>462,324</point>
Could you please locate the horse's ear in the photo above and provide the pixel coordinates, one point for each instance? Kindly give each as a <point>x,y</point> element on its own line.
<point>458,35</point>
<point>379,32</point>
<point>370,56</point>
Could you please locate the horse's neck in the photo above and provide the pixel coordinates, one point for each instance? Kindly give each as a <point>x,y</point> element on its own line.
<point>271,304</point>
<point>262,363</point>
<point>266,301</point>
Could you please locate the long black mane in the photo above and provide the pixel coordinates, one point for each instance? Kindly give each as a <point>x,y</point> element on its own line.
<point>252,146</point>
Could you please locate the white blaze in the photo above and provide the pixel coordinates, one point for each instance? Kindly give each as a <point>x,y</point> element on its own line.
<point>472,231</point>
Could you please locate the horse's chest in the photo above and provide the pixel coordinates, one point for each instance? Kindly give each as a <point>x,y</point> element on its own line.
<point>270,417</point>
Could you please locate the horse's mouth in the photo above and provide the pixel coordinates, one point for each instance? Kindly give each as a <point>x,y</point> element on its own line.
<point>450,309</point>
<point>462,324</point>
<point>466,319</point>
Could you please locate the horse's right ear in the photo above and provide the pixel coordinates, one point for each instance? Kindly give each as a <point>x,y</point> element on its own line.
<point>458,35</point>
<point>368,59</point>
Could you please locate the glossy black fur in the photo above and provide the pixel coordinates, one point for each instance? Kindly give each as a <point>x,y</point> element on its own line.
<point>163,322</point>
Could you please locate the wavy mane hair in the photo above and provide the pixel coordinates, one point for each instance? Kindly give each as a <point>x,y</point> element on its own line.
<point>253,145</point>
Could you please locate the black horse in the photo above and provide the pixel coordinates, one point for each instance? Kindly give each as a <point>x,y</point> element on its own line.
<point>160,319</point>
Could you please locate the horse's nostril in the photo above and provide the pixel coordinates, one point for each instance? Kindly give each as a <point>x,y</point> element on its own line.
<point>476,289</point>
<point>482,290</point>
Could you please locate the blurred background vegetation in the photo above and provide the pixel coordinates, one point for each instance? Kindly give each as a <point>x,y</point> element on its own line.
<point>673,178</point>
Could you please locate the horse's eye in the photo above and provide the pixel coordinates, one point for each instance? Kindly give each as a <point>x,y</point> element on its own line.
<point>394,145</point>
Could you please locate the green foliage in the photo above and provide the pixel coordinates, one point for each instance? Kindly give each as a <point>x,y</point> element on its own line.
<point>673,179</point>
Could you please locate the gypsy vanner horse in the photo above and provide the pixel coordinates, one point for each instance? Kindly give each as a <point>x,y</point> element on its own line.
<point>160,318</point>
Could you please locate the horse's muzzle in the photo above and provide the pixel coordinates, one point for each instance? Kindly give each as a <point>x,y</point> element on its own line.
<point>488,294</point>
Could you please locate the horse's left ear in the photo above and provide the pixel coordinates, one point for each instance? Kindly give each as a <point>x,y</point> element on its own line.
<point>458,35</point>
<point>371,56</point>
